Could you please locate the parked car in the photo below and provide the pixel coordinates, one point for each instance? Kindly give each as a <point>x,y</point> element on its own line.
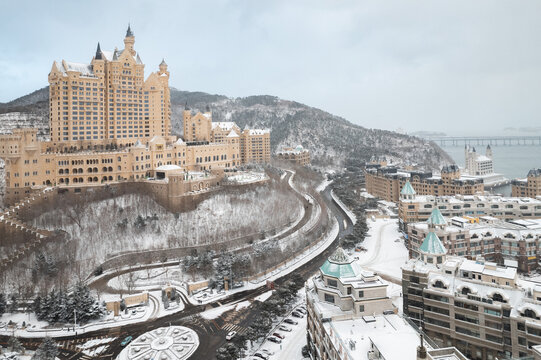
<point>291,321</point>
<point>297,314</point>
<point>230,335</point>
<point>278,335</point>
<point>262,356</point>
<point>388,312</point>
<point>301,310</point>
<point>284,328</point>
<point>305,351</point>
<point>275,340</point>
<point>126,340</point>
<point>267,351</point>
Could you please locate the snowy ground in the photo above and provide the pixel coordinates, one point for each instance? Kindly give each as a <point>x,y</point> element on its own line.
<point>155,309</point>
<point>386,252</point>
<point>248,177</point>
<point>109,227</point>
<point>291,346</point>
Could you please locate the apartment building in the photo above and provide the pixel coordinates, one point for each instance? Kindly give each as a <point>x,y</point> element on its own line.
<point>297,155</point>
<point>529,187</point>
<point>351,317</point>
<point>413,208</point>
<point>386,182</point>
<point>494,239</point>
<point>476,306</point>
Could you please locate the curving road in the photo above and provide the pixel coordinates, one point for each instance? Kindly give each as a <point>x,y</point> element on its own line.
<point>211,332</point>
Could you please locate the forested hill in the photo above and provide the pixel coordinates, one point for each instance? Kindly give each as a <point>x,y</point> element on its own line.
<point>330,138</point>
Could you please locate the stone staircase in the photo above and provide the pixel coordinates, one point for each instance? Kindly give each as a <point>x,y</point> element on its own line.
<point>27,237</point>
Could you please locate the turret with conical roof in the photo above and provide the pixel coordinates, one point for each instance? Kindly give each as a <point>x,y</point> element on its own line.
<point>436,219</point>
<point>407,192</point>
<point>432,250</point>
<point>98,53</point>
<point>129,41</point>
<point>340,265</point>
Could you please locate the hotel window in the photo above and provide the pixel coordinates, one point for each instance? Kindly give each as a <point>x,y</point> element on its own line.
<point>361,308</point>
<point>332,283</point>
<point>329,298</point>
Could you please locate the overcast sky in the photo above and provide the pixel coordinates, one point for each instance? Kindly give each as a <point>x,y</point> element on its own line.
<point>453,66</point>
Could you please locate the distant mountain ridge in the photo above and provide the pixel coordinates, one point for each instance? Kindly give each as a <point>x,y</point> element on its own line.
<point>331,139</point>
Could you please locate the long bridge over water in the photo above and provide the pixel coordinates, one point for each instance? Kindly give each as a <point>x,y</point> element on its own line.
<point>486,140</point>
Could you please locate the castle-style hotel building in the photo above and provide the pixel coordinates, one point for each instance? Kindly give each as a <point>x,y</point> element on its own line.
<point>108,125</point>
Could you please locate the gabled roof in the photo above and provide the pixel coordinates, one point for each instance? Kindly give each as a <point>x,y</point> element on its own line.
<point>232,134</point>
<point>436,218</point>
<point>433,245</point>
<point>407,189</point>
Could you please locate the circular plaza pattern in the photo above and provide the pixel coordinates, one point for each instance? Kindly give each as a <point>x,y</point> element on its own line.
<point>167,343</point>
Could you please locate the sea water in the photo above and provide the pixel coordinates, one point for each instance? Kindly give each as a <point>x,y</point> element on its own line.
<point>511,161</point>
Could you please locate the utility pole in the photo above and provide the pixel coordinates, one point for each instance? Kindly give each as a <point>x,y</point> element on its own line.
<point>74,319</point>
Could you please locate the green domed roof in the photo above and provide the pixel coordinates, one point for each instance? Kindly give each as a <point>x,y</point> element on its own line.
<point>339,265</point>
<point>407,189</point>
<point>432,245</point>
<point>436,218</point>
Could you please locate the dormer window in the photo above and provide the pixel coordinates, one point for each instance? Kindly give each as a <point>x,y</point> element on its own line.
<point>529,313</point>
<point>499,298</point>
<point>439,284</point>
<point>465,290</point>
<point>332,283</point>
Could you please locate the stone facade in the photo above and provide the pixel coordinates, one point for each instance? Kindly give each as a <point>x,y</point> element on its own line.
<point>297,155</point>
<point>475,306</point>
<point>529,187</point>
<point>109,125</point>
<point>386,182</point>
<point>417,208</point>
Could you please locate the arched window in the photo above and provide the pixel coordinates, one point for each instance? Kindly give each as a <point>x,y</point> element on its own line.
<point>465,290</point>
<point>530,314</point>
<point>498,297</point>
<point>439,284</point>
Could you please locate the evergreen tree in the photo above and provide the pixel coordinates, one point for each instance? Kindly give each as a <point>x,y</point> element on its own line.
<point>46,351</point>
<point>14,345</point>
<point>13,305</point>
<point>3,304</point>
<point>36,306</point>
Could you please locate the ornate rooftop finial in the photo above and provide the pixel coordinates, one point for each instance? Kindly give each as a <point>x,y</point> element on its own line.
<point>98,53</point>
<point>163,63</point>
<point>339,257</point>
<point>129,32</point>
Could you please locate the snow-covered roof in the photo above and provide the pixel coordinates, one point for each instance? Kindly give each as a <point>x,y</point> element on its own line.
<point>407,189</point>
<point>436,218</point>
<point>224,125</point>
<point>168,168</point>
<point>232,134</point>
<point>258,131</point>
<point>179,142</point>
<point>432,245</point>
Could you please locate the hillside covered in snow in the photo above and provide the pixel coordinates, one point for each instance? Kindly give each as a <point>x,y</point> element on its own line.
<point>331,139</point>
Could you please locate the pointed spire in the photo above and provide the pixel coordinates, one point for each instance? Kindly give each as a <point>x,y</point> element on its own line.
<point>129,32</point>
<point>432,245</point>
<point>186,106</point>
<point>163,63</point>
<point>138,60</point>
<point>115,54</point>
<point>98,53</point>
